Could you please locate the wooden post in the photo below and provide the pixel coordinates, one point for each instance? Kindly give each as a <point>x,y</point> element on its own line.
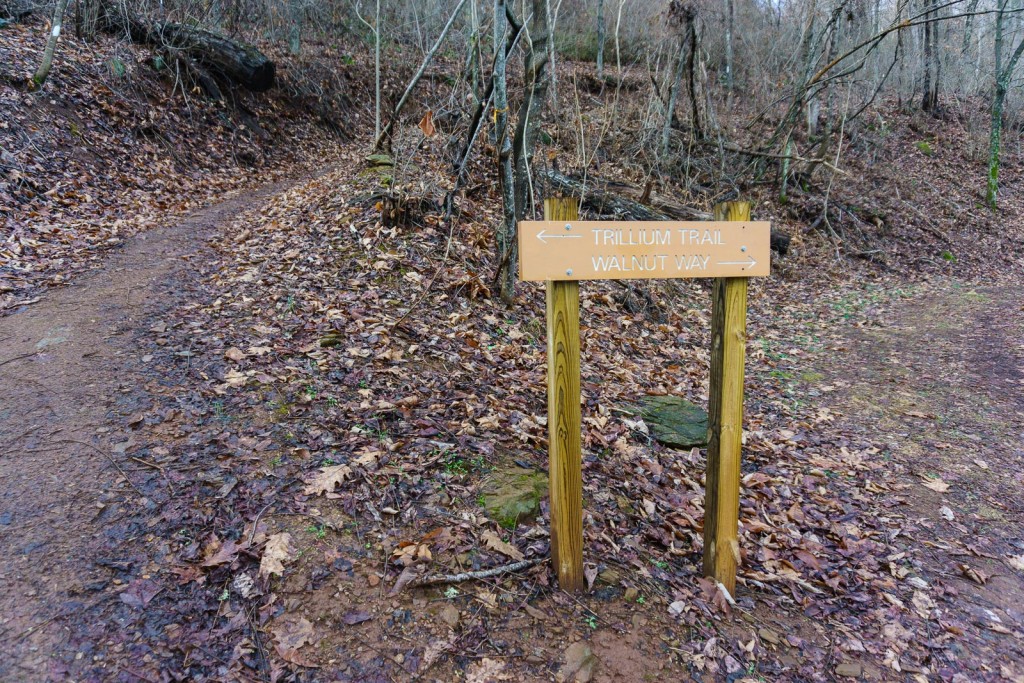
<point>564,424</point>
<point>725,418</point>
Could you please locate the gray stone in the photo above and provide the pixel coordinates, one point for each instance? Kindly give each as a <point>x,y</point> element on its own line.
<point>513,495</point>
<point>674,421</point>
<point>849,670</point>
<point>375,160</point>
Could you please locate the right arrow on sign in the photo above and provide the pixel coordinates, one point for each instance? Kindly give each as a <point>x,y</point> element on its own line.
<point>749,262</point>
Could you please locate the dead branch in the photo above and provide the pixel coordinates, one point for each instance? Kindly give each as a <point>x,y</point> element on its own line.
<point>434,579</point>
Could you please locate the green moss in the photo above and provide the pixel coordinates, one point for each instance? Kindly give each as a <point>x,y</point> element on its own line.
<point>924,148</point>
<point>674,421</point>
<point>513,495</point>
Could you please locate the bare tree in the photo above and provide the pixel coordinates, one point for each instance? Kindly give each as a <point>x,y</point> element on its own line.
<point>507,228</point>
<point>1004,74</point>
<point>375,28</point>
<point>51,44</point>
<point>931,62</point>
<point>385,134</point>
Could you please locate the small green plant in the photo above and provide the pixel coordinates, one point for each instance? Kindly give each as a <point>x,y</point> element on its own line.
<point>224,595</point>
<point>481,501</point>
<point>348,60</point>
<point>332,402</point>
<point>319,531</point>
<point>948,256</point>
<point>641,600</point>
<point>311,391</point>
<point>276,462</point>
<point>660,564</point>
<point>455,465</point>
<point>591,621</point>
<point>117,67</point>
<point>451,592</point>
<point>924,148</point>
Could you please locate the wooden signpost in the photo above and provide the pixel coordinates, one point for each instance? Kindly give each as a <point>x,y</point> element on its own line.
<point>562,250</point>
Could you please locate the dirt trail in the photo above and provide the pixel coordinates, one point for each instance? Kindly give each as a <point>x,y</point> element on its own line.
<point>942,385</point>
<point>69,370</point>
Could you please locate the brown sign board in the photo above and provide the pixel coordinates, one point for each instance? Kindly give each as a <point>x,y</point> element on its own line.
<point>623,250</point>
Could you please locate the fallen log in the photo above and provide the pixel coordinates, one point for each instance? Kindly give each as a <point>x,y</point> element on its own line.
<point>236,62</point>
<point>599,200</point>
<point>13,11</point>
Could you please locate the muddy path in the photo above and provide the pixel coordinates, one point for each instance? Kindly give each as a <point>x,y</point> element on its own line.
<point>102,474</point>
<point>73,508</point>
<point>939,386</point>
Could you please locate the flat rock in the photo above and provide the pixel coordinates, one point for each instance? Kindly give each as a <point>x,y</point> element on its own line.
<point>375,160</point>
<point>513,495</point>
<point>849,670</point>
<point>580,663</point>
<point>450,615</point>
<point>674,421</point>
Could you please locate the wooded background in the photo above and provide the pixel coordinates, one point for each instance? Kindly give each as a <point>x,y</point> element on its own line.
<point>712,95</point>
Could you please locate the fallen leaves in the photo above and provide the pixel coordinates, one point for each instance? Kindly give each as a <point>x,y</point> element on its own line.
<point>976,575</point>
<point>427,124</point>
<point>290,635</point>
<point>408,554</point>
<point>139,593</point>
<point>357,617</point>
<point>327,479</point>
<point>493,541</point>
<point>935,484</point>
<point>275,553</point>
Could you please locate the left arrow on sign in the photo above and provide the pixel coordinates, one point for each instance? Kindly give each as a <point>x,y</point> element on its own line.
<point>542,234</point>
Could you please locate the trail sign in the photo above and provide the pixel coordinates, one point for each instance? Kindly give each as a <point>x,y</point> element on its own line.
<point>562,250</point>
<point>619,250</point>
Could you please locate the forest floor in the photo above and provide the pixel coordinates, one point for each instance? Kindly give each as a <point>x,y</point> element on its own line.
<point>233,439</point>
<point>179,414</point>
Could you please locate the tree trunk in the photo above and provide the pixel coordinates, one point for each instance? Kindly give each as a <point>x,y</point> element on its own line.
<point>930,91</point>
<point>994,138</point>
<point>695,86</point>
<point>507,227</point>
<point>730,21</point>
<point>295,30</point>
<point>673,91</point>
<point>534,94</point>
<point>1004,75</point>
<point>600,40</point>
<point>376,72</point>
<point>87,18</point>
<point>239,63</point>
<point>51,44</point>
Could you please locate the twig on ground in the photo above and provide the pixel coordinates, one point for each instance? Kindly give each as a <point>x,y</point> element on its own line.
<point>21,357</point>
<point>108,457</point>
<point>147,463</point>
<point>472,576</point>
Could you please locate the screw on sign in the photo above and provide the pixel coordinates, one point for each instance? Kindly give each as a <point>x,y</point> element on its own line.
<point>562,250</point>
